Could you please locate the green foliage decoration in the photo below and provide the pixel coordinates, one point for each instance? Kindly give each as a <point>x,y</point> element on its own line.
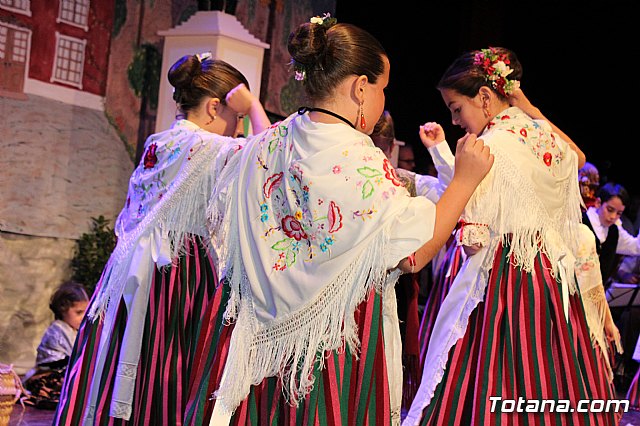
<point>92,252</point>
<point>144,73</point>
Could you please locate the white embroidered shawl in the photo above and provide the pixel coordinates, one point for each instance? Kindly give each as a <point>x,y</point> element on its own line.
<point>596,308</point>
<point>167,200</point>
<point>531,200</point>
<point>309,218</point>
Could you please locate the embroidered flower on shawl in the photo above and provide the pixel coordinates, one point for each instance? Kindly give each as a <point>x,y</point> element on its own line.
<point>150,157</point>
<point>292,228</point>
<point>544,148</point>
<point>496,69</point>
<point>335,217</point>
<point>390,173</point>
<point>273,182</point>
<point>586,263</point>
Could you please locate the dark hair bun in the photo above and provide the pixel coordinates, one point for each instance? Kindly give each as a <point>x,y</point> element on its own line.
<point>307,44</point>
<point>182,73</point>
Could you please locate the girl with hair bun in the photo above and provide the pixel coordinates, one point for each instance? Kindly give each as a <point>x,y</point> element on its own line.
<point>315,229</point>
<point>133,358</point>
<point>512,328</point>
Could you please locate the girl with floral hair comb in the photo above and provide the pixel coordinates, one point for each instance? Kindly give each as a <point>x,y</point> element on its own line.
<point>512,326</point>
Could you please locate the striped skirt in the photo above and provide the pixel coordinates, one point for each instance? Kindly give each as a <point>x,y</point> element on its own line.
<point>518,344</point>
<point>177,302</point>
<point>349,390</point>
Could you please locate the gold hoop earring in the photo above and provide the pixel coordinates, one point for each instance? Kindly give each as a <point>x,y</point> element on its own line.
<point>363,123</point>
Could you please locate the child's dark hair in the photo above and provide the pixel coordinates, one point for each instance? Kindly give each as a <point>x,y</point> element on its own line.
<point>610,190</point>
<point>193,79</point>
<point>65,296</point>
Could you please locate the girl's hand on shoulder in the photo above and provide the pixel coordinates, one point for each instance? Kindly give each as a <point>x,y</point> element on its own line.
<point>473,158</point>
<point>431,134</point>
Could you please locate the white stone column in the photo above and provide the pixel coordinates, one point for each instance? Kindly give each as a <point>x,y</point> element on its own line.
<point>208,31</point>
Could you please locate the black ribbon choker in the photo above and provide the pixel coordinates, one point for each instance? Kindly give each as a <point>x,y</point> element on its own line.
<point>304,109</point>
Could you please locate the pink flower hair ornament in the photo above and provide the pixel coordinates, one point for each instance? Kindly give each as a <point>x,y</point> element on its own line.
<point>496,69</point>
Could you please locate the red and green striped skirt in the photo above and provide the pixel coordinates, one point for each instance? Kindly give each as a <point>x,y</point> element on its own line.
<point>179,298</point>
<point>518,344</point>
<point>349,390</point>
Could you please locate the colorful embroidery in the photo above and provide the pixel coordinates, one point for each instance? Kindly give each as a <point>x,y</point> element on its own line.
<point>273,182</point>
<point>390,173</point>
<point>364,214</point>
<point>300,232</point>
<point>279,132</point>
<point>532,135</point>
<point>335,217</point>
<point>586,258</point>
<point>292,228</point>
<point>367,186</point>
<point>297,229</point>
<point>149,183</point>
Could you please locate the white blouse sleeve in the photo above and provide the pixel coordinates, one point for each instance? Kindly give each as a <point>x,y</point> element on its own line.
<point>444,162</point>
<point>411,229</point>
<point>627,243</point>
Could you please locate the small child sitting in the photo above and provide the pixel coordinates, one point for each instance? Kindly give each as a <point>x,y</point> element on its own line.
<point>44,382</point>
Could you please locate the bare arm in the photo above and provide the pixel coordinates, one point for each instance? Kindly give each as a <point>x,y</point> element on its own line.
<point>242,101</point>
<point>473,162</point>
<point>519,100</point>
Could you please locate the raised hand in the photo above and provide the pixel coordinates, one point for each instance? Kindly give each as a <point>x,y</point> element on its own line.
<point>431,134</point>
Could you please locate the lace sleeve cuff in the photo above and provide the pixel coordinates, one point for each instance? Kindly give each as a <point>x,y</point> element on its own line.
<point>473,233</point>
